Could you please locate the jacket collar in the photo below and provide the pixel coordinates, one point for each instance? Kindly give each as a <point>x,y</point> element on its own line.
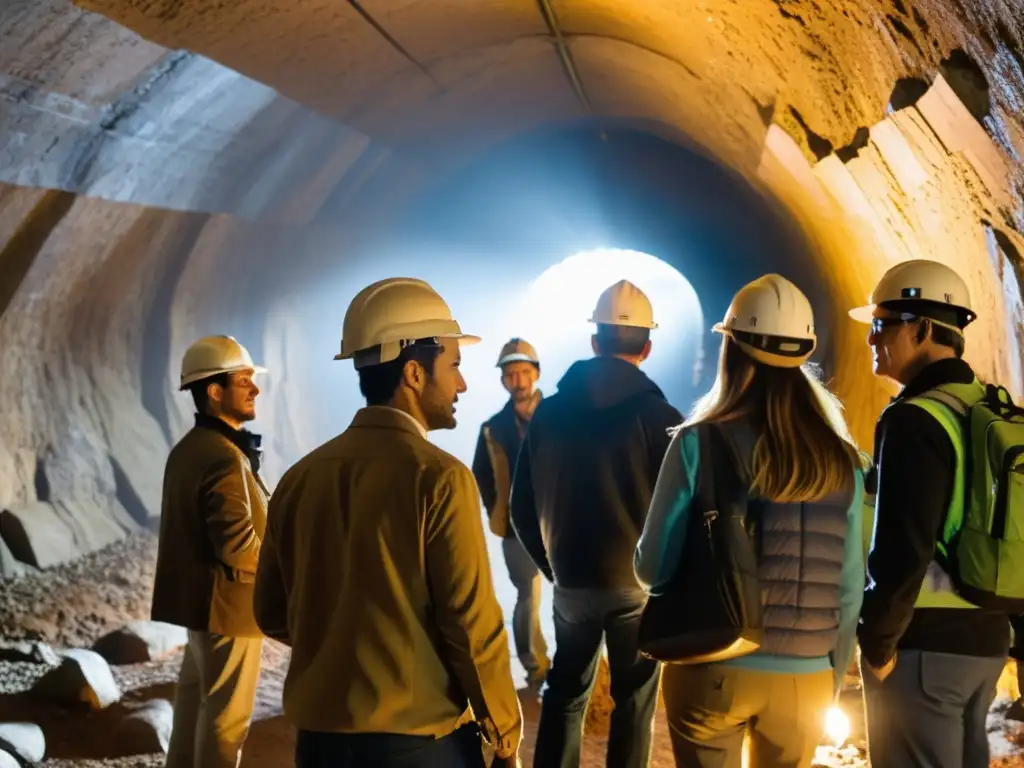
<point>247,442</point>
<point>386,417</point>
<point>949,371</point>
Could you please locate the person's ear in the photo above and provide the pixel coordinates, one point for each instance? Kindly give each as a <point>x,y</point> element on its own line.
<point>924,330</point>
<point>215,393</point>
<point>414,376</point>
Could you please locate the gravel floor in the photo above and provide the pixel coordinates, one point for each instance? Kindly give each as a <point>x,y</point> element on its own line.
<point>74,605</point>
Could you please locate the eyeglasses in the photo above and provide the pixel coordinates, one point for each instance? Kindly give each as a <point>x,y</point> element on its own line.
<point>879,324</point>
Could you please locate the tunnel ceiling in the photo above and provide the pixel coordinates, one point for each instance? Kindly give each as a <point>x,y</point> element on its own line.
<point>172,168</point>
<point>442,76</point>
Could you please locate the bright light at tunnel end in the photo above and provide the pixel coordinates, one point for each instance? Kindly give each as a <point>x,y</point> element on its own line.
<point>563,297</point>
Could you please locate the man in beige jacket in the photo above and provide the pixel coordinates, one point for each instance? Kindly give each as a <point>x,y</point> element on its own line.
<point>212,520</point>
<point>374,567</point>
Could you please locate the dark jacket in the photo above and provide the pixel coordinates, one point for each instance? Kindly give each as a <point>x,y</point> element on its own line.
<point>212,521</point>
<point>494,463</point>
<point>916,463</point>
<point>586,473</point>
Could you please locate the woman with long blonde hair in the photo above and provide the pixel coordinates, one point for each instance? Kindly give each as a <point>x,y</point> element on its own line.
<point>789,445</point>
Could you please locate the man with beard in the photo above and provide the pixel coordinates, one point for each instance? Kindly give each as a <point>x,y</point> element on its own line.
<point>580,494</point>
<point>213,516</point>
<point>375,569</point>
<point>493,464</point>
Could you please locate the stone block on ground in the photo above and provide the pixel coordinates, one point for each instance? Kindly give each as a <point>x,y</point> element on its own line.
<point>146,730</point>
<point>10,566</point>
<point>7,760</point>
<point>23,740</point>
<point>82,677</point>
<point>43,534</point>
<point>140,641</point>
<point>30,652</point>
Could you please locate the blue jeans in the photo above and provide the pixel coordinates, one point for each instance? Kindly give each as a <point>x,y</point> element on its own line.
<point>461,749</point>
<point>529,640</point>
<point>931,711</point>
<point>583,619</point>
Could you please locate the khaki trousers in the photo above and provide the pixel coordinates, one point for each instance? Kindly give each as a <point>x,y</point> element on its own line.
<point>214,700</point>
<point>711,707</point>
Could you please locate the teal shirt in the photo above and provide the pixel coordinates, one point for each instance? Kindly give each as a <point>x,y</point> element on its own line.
<point>664,536</point>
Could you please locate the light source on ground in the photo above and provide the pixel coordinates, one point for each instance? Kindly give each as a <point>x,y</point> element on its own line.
<point>837,726</point>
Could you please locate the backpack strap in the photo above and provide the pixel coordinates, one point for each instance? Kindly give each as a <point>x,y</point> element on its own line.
<point>948,406</point>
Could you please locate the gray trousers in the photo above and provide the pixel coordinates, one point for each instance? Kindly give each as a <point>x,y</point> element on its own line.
<point>931,711</point>
<point>531,648</point>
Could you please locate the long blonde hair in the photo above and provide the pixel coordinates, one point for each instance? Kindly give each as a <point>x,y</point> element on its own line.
<point>804,450</point>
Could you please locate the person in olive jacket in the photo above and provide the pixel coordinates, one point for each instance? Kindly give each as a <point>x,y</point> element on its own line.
<point>213,516</point>
<point>375,568</point>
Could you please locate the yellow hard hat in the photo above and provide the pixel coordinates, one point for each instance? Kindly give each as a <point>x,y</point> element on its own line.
<point>389,315</point>
<point>213,355</point>
<point>772,321</point>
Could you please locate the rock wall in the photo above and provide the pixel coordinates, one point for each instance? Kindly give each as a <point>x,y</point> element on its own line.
<point>149,196</point>
<point>75,431</point>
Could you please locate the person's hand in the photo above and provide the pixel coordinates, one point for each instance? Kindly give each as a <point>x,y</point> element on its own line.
<point>880,673</point>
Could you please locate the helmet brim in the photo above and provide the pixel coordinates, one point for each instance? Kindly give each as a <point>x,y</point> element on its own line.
<point>516,357</point>
<point>863,314</point>
<point>200,375</point>
<point>464,339</point>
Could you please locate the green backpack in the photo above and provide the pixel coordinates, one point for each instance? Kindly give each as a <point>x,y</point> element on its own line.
<point>982,542</point>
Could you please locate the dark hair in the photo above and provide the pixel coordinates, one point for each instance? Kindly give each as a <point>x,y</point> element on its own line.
<point>200,396</point>
<point>621,339</point>
<point>947,337</point>
<point>378,383</point>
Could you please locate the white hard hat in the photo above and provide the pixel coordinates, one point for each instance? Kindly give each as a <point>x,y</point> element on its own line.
<point>624,304</point>
<point>772,321</point>
<point>517,351</point>
<point>389,315</point>
<point>213,355</point>
<point>919,280</point>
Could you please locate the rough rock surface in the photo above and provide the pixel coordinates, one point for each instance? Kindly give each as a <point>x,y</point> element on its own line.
<point>82,677</point>
<point>141,641</point>
<point>881,161</point>
<point>24,740</point>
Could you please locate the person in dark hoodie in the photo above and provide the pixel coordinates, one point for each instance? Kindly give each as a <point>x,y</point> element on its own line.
<point>580,494</point>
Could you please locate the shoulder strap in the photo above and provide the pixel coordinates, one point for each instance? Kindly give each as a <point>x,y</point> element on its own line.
<point>707,435</point>
<point>948,399</point>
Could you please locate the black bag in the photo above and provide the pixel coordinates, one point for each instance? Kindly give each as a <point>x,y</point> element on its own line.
<point>711,609</point>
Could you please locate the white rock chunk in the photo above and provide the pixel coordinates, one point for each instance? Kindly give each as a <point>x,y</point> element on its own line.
<point>23,740</point>
<point>140,641</point>
<point>146,730</point>
<point>83,676</point>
